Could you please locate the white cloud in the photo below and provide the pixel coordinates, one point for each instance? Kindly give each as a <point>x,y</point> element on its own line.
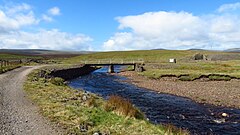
<point>45,39</point>
<point>155,24</point>
<point>16,8</point>
<point>54,11</point>
<point>176,30</point>
<point>229,7</point>
<point>17,18</point>
<point>47,18</point>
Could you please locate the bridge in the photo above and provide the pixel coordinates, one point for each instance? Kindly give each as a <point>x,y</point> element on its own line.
<point>137,64</point>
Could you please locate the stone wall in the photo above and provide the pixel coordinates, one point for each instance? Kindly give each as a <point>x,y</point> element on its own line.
<point>72,73</point>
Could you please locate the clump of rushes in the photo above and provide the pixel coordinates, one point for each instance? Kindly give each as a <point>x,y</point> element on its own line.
<point>171,129</point>
<point>186,78</point>
<point>122,106</point>
<point>57,81</point>
<point>80,112</point>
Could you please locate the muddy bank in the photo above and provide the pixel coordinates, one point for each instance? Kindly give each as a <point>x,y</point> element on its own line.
<point>72,73</point>
<point>220,93</point>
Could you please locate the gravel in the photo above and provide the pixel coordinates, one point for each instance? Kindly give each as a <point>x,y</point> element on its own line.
<point>220,93</point>
<point>18,115</point>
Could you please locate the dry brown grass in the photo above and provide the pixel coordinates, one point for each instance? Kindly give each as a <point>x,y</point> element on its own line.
<point>172,129</point>
<point>122,106</point>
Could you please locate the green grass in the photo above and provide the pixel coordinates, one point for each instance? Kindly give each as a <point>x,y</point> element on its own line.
<point>12,56</point>
<point>8,68</point>
<point>147,56</point>
<point>71,110</point>
<point>7,57</point>
<point>190,71</point>
<point>219,78</point>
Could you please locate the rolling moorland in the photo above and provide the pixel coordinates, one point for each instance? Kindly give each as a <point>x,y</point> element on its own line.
<point>58,102</point>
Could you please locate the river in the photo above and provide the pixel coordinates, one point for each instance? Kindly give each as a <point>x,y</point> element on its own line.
<point>163,108</point>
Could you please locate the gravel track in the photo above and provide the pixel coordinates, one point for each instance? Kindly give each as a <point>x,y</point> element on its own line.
<point>18,115</point>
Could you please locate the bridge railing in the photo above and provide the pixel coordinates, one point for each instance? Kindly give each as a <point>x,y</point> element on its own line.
<point>113,61</point>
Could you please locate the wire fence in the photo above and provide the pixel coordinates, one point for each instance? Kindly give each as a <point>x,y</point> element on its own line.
<point>6,63</point>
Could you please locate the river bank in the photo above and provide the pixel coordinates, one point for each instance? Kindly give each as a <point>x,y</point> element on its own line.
<point>220,93</point>
<point>81,112</point>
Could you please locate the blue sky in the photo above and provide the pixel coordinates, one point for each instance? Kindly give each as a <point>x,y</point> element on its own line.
<point>120,24</point>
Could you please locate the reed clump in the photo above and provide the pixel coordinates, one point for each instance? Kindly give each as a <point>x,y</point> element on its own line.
<point>122,106</point>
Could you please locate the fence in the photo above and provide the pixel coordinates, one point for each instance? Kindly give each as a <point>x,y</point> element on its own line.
<point>6,63</point>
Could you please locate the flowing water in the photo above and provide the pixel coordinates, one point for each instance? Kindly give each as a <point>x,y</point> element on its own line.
<point>163,108</point>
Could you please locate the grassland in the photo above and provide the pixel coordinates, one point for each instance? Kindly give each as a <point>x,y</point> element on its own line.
<point>13,65</point>
<point>13,56</point>
<point>151,56</point>
<point>212,69</point>
<point>82,113</point>
<point>186,69</point>
<point>8,68</point>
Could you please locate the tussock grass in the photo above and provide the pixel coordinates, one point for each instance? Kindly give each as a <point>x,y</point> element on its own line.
<point>83,113</point>
<point>123,107</point>
<point>219,78</point>
<point>57,81</point>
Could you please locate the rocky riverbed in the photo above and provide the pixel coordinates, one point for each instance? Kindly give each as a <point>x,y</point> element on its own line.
<point>220,93</point>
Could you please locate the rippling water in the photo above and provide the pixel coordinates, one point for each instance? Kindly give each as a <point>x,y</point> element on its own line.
<point>163,108</point>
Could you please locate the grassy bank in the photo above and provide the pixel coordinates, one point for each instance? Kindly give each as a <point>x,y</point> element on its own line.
<point>213,70</point>
<point>8,68</point>
<point>83,113</point>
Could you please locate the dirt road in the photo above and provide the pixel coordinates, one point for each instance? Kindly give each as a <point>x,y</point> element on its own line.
<point>18,115</point>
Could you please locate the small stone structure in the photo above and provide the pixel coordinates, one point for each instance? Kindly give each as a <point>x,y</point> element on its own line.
<point>111,69</point>
<point>138,68</point>
<point>199,56</point>
<point>72,73</point>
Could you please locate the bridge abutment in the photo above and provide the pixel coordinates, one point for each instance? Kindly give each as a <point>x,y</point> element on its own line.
<point>111,69</point>
<point>138,67</point>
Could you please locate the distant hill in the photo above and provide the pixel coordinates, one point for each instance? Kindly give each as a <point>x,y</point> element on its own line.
<point>43,53</point>
<point>233,50</point>
<point>159,49</point>
<point>195,49</point>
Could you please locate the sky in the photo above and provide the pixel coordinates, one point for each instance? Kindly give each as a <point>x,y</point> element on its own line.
<point>119,25</point>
